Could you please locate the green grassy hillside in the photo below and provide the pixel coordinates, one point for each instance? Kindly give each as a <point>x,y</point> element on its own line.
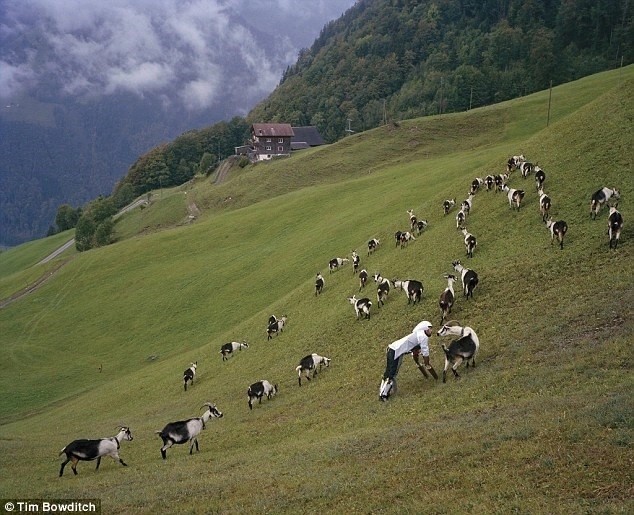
<point>543,424</point>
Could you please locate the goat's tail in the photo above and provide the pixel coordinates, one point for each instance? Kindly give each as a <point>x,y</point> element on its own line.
<point>62,451</point>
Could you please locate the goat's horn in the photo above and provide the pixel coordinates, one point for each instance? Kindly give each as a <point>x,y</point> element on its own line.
<point>207,404</point>
<point>452,323</point>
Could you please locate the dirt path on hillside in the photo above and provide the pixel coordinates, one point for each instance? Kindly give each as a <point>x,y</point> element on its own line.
<point>35,285</point>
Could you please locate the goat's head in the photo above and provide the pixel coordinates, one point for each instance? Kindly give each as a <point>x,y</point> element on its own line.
<point>213,411</point>
<point>127,435</point>
<point>352,300</point>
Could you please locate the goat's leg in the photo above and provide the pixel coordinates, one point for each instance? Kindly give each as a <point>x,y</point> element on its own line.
<point>74,465</point>
<point>61,470</point>
<point>166,446</point>
<point>98,463</point>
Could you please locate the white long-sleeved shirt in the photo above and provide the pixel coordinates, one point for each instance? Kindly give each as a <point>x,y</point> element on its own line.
<point>412,340</point>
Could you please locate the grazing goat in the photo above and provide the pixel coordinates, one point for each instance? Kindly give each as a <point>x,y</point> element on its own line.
<point>176,433</point>
<point>421,225</point>
<point>372,245</point>
<point>526,168</point>
<point>460,219</point>
<point>558,229</point>
<point>448,204</point>
<point>319,284</point>
<point>259,390</point>
<point>601,197</point>
<point>412,288</point>
<point>363,278</point>
<point>88,450</point>
<point>468,277</point>
<point>515,197</point>
<point>229,348</point>
<point>500,180</point>
<point>383,288</point>
<point>273,318</point>
<point>412,219</point>
<point>397,237</point>
<point>276,328</point>
<point>355,262</point>
<point>447,298</point>
<point>189,374</point>
<point>406,237</point>
<point>469,242</point>
<point>361,306</point>
<point>489,182</point>
<point>514,162</point>
<point>475,185</point>
<point>615,224</point>
<point>466,204</point>
<point>337,262</point>
<point>544,204</point>
<point>308,363</point>
<point>540,177</point>
<point>463,349</point>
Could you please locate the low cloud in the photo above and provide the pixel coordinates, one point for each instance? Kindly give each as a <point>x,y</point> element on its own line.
<point>179,50</point>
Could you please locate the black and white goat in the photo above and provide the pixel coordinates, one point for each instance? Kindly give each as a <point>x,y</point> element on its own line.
<point>615,224</point>
<point>319,284</point>
<point>189,374</point>
<point>475,185</point>
<point>361,306</point>
<point>461,216</point>
<point>466,204</point>
<point>412,288</point>
<point>540,177</point>
<point>514,161</point>
<point>470,242</point>
<point>500,181</point>
<point>276,327</point>
<point>544,204</point>
<point>489,182</point>
<point>526,168</point>
<point>468,277</point>
<point>176,433</point>
<point>406,237</point>
<point>383,288</point>
<point>308,363</point>
<point>558,229</point>
<point>372,245</point>
<point>421,225</point>
<point>412,219</point>
<point>355,262</point>
<point>448,204</point>
<point>336,263</point>
<point>363,278</point>
<point>601,197</point>
<point>397,237</point>
<point>228,349</point>
<point>447,298</point>
<point>88,450</point>
<point>515,197</point>
<point>464,348</point>
<point>273,318</point>
<point>259,389</point>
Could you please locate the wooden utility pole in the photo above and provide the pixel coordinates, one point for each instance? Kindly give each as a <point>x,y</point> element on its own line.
<point>550,96</point>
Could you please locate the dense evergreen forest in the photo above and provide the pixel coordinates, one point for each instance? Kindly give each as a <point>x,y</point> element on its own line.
<point>387,60</point>
<point>396,59</point>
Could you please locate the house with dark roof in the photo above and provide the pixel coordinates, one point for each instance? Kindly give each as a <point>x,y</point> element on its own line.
<point>271,139</point>
<point>278,139</point>
<point>306,137</point>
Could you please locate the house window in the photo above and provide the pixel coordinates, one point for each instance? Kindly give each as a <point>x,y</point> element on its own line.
<point>281,140</point>
<point>268,140</point>
<point>280,149</point>
<point>268,147</point>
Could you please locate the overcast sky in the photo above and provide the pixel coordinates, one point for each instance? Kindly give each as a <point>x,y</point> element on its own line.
<point>170,48</point>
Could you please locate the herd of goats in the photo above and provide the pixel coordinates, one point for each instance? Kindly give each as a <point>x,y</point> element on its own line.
<point>464,348</point>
